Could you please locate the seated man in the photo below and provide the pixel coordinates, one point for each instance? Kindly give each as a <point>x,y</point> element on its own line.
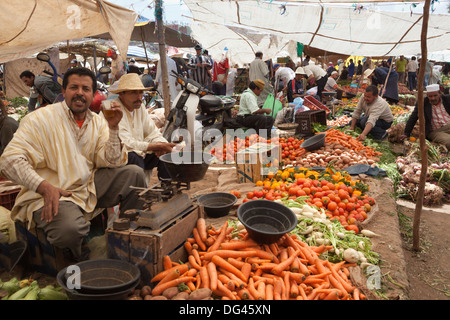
<point>72,169</point>
<point>372,114</point>
<point>250,115</point>
<point>41,86</point>
<point>137,130</point>
<point>297,86</point>
<point>331,82</point>
<point>436,108</point>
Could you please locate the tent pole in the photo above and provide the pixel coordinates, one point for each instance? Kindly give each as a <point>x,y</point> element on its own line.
<point>422,143</point>
<point>162,55</point>
<point>386,81</point>
<point>145,49</point>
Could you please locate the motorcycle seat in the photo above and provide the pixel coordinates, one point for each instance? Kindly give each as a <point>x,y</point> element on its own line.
<point>210,101</point>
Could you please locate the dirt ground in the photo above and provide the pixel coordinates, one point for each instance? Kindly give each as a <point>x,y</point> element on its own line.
<point>404,274</point>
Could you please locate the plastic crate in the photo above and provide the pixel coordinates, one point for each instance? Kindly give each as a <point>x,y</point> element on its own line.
<point>8,198</point>
<point>313,104</point>
<point>305,120</point>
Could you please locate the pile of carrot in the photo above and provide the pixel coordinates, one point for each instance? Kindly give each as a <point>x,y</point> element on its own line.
<point>238,268</point>
<point>336,136</point>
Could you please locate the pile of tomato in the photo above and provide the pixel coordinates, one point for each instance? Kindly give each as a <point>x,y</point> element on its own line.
<point>335,193</point>
<point>290,147</point>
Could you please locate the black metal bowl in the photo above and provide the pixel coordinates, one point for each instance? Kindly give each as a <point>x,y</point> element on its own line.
<point>217,204</point>
<point>315,142</point>
<point>186,166</point>
<point>104,276</point>
<point>266,221</point>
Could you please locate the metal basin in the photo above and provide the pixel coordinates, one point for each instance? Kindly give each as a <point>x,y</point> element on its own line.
<point>187,166</point>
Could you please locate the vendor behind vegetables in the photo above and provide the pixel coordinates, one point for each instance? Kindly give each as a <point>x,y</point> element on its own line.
<point>137,130</point>
<point>71,164</point>
<point>372,114</point>
<point>436,108</point>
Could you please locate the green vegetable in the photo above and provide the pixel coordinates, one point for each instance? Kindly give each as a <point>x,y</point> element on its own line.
<point>23,292</point>
<point>51,293</point>
<point>33,294</point>
<point>11,286</point>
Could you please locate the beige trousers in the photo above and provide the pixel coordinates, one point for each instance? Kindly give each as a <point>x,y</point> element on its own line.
<point>441,136</point>
<point>69,227</point>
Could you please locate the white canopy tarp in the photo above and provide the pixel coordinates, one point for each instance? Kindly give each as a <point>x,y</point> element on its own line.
<point>340,29</point>
<point>30,26</point>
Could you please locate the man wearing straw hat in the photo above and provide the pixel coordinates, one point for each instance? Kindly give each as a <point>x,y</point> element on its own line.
<point>137,130</point>
<point>436,108</point>
<point>71,165</point>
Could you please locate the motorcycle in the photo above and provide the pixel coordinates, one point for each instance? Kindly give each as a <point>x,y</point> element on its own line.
<point>42,56</point>
<point>197,110</point>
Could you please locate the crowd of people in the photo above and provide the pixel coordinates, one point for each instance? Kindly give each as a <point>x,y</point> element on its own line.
<point>82,162</point>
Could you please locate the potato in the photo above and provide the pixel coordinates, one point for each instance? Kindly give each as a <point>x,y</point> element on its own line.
<point>158,298</point>
<point>171,292</point>
<point>200,294</point>
<point>181,296</point>
<point>146,291</point>
<point>148,297</point>
<point>134,297</point>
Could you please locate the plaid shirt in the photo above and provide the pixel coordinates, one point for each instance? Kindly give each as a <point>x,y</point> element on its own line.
<point>439,117</point>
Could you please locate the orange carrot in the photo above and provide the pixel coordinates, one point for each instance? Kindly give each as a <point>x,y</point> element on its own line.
<point>204,277</point>
<point>227,282</point>
<point>198,281</point>
<point>157,290</point>
<point>198,240</point>
<point>220,262</point>
<point>226,292</point>
<point>210,241</point>
<point>167,262</point>
<point>286,263</point>
<point>220,238</point>
<point>191,285</point>
<point>244,294</point>
<point>237,244</point>
<point>278,289</point>
<point>196,255</point>
<point>236,262</point>
<point>261,288</point>
<point>194,262</point>
<point>212,272</point>
<point>287,286</point>
<point>201,227</point>
<point>182,268</point>
<point>246,269</point>
<point>294,290</point>
<point>356,294</point>
<point>229,254</point>
<point>269,291</point>
<point>252,289</point>
<point>302,292</point>
<point>241,284</point>
<point>261,253</point>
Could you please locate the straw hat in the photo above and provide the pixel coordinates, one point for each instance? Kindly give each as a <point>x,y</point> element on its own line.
<point>300,70</point>
<point>259,83</point>
<point>129,82</point>
<point>367,73</point>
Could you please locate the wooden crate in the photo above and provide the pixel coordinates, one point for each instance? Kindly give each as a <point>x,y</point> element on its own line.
<point>41,256</point>
<point>305,120</point>
<point>257,161</point>
<point>146,248</point>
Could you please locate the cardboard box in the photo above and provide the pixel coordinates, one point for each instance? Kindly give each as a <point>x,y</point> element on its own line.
<point>257,161</point>
<point>146,248</point>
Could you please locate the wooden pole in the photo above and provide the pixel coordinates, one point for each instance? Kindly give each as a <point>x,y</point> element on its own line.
<point>386,81</point>
<point>162,56</point>
<point>422,143</point>
<point>145,49</point>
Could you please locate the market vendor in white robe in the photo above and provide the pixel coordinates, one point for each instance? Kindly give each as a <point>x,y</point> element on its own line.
<point>71,164</point>
<point>142,138</point>
<point>258,69</point>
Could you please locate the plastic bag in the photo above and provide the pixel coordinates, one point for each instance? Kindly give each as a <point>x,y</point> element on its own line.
<point>274,106</point>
